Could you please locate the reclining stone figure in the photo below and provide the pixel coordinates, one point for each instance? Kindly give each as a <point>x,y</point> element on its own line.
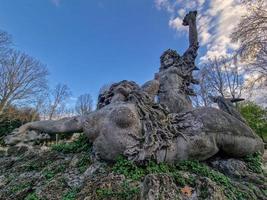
<point>142,130</point>
<point>129,122</point>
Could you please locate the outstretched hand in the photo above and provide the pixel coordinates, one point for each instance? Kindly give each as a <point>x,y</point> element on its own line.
<point>23,129</point>
<point>190,16</point>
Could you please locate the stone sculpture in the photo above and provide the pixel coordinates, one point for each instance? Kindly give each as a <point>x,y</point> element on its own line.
<point>175,73</point>
<point>129,121</point>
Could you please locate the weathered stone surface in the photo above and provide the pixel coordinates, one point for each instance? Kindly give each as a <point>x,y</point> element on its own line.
<point>231,167</point>
<point>208,190</point>
<point>160,186</point>
<point>29,137</point>
<point>20,186</point>
<point>241,175</point>
<point>110,187</point>
<point>18,150</point>
<point>53,190</point>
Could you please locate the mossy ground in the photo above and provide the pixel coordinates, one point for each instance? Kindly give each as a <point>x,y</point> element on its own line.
<point>40,175</point>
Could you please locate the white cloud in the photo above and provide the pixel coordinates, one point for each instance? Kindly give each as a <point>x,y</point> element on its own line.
<point>181,12</point>
<point>216,20</point>
<point>165,4</point>
<point>176,24</point>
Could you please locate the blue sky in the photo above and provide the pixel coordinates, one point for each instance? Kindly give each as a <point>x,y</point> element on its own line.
<point>88,43</point>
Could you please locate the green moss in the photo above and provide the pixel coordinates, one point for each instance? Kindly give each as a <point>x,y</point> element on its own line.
<point>125,192</point>
<point>70,195</point>
<point>20,187</point>
<point>77,146</point>
<point>31,166</point>
<point>204,193</point>
<point>203,170</point>
<point>134,172</point>
<point>128,169</point>
<point>83,163</point>
<point>32,196</point>
<point>49,173</point>
<point>254,162</point>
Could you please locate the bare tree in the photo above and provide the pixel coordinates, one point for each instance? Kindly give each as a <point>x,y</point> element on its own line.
<point>40,105</point>
<point>70,112</point>
<point>58,99</point>
<point>84,104</point>
<point>21,78</point>
<point>5,39</point>
<point>202,91</point>
<point>5,42</point>
<point>251,34</point>
<point>219,77</point>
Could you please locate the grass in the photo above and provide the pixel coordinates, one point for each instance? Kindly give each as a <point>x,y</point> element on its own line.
<point>77,146</point>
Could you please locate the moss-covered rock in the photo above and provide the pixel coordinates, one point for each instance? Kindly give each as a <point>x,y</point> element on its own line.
<point>46,173</point>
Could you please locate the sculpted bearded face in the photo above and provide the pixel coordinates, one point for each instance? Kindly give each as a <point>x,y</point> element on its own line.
<point>168,60</point>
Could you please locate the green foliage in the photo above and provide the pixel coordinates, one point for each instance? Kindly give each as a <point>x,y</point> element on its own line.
<point>83,163</point>
<point>7,125</point>
<point>31,166</point>
<point>134,172</point>
<point>20,187</point>
<point>254,162</point>
<point>76,146</point>
<point>49,173</point>
<point>256,117</point>
<point>128,169</point>
<point>203,170</point>
<point>126,192</point>
<point>204,193</point>
<point>13,117</point>
<point>70,195</point>
<point>32,196</point>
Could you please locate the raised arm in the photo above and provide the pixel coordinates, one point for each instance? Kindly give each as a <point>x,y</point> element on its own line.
<point>190,20</point>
